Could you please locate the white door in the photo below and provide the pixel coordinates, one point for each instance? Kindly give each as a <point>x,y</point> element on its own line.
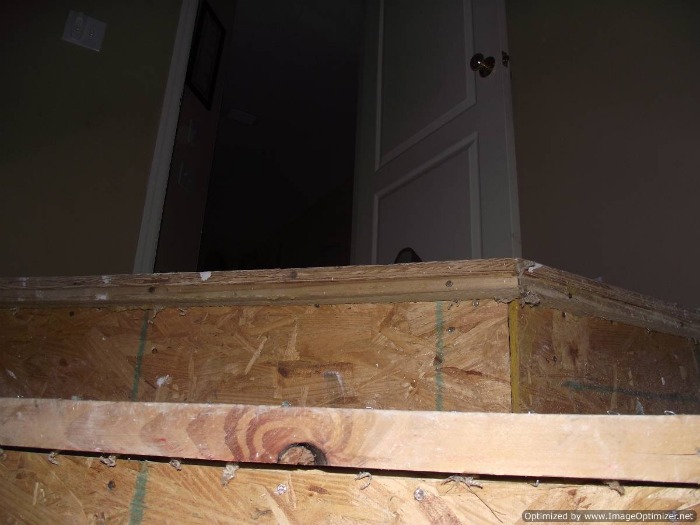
<point>435,164</point>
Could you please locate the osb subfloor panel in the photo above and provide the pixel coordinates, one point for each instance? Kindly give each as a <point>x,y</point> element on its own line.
<point>581,365</point>
<point>430,356</point>
<point>81,489</point>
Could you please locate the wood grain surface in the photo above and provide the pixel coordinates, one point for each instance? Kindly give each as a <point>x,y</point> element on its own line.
<point>429,356</point>
<point>586,297</point>
<point>453,280</point>
<point>81,489</point>
<point>564,363</point>
<point>644,448</point>
<point>500,279</point>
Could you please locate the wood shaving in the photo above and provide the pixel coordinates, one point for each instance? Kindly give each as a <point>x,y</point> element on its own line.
<point>53,457</point>
<point>367,476</point>
<point>229,473</point>
<point>615,485</point>
<point>156,311</point>
<point>470,482</point>
<point>110,461</point>
<point>529,298</point>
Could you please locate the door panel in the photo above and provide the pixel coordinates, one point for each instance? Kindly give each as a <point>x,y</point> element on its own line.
<point>422,77</point>
<point>432,165</point>
<point>442,225</point>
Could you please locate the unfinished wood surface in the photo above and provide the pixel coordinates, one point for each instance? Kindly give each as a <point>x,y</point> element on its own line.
<point>454,280</point>
<point>501,279</point>
<point>430,356</point>
<point>585,365</point>
<point>80,489</point>
<point>644,448</point>
<point>585,297</point>
<point>89,354</point>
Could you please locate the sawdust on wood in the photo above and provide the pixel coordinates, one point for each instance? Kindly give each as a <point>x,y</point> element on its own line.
<point>229,473</point>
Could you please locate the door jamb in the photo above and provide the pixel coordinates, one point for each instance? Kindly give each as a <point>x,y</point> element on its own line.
<point>147,246</point>
<point>516,241</point>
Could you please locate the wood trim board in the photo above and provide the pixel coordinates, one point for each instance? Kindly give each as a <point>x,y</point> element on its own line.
<point>495,278</point>
<point>568,292</point>
<point>501,279</point>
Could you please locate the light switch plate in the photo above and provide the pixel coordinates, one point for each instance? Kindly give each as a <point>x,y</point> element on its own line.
<point>84,31</point>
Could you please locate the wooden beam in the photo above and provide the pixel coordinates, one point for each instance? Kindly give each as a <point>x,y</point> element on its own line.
<point>644,448</point>
<point>455,280</point>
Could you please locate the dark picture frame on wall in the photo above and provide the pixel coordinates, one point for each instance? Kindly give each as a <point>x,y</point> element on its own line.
<point>207,46</point>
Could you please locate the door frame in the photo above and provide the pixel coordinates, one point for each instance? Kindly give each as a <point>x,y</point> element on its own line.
<point>516,240</point>
<point>147,246</point>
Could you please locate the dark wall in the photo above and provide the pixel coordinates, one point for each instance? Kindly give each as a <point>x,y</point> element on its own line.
<point>77,132</point>
<point>606,109</point>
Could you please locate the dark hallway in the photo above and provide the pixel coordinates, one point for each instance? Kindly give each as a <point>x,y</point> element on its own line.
<point>280,193</point>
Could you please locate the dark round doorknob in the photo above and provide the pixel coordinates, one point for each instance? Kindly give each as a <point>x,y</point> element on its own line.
<point>484,65</point>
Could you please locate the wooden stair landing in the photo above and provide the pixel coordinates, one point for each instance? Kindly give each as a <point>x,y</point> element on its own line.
<point>403,370</point>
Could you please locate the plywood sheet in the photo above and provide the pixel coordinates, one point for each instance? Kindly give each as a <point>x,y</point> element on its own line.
<point>564,363</point>
<point>80,489</point>
<point>70,353</point>
<point>429,356</point>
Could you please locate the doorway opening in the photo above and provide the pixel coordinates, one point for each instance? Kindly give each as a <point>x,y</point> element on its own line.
<point>281,186</point>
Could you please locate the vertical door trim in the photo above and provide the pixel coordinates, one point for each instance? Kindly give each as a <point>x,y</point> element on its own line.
<point>145,257</point>
<point>514,203</point>
<point>380,89</point>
